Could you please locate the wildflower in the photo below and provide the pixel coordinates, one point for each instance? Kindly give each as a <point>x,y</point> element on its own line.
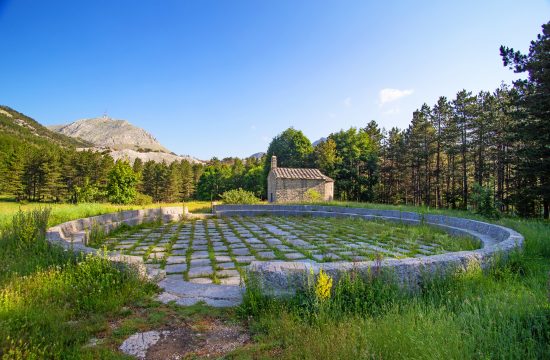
<point>323,286</point>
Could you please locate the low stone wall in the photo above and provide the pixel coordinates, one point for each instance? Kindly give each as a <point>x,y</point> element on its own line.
<point>73,234</point>
<point>285,277</point>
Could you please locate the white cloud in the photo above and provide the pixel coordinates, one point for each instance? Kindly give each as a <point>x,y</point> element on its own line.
<point>347,102</point>
<point>389,95</point>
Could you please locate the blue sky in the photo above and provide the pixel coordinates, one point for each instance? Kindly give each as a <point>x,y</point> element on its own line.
<point>221,78</point>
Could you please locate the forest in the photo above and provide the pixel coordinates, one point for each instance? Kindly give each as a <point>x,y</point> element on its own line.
<point>487,152</point>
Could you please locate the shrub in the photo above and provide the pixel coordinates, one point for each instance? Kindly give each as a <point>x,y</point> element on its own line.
<point>88,192</point>
<point>239,196</point>
<point>312,195</point>
<point>28,227</point>
<point>142,199</point>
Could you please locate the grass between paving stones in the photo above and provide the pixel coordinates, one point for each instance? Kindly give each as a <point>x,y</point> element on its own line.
<point>189,252</point>
<point>285,242</point>
<point>150,227</point>
<point>156,240</point>
<point>173,240</point>
<point>127,231</point>
<point>211,255</point>
<point>401,238</point>
<point>279,255</point>
<point>297,223</point>
<point>313,231</point>
<point>237,234</point>
<point>229,249</point>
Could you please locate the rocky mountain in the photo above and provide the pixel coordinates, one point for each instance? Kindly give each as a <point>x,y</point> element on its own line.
<point>122,139</point>
<point>132,155</point>
<point>257,155</point>
<point>105,132</point>
<point>317,142</point>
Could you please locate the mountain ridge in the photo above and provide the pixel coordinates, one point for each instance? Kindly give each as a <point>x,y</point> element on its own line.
<point>24,128</point>
<point>110,133</point>
<point>121,138</point>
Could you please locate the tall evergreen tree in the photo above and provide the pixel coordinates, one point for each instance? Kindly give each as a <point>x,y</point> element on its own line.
<point>532,128</point>
<point>13,181</point>
<point>187,185</point>
<point>464,108</point>
<point>441,115</point>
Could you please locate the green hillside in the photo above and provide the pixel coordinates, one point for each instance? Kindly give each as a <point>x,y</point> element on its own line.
<point>17,129</point>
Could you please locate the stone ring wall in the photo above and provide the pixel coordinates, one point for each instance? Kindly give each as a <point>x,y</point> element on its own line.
<point>283,277</point>
<point>73,234</point>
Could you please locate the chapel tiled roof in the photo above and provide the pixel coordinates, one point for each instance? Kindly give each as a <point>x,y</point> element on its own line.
<point>300,173</point>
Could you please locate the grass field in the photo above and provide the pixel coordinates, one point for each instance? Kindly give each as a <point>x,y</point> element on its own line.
<point>66,212</point>
<point>52,303</point>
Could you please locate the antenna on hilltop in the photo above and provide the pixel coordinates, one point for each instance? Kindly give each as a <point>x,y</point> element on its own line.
<point>105,116</point>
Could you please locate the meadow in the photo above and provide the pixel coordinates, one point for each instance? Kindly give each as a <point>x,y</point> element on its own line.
<point>66,212</point>
<point>53,302</point>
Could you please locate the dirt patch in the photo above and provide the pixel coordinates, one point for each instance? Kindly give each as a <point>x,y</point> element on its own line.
<point>211,338</point>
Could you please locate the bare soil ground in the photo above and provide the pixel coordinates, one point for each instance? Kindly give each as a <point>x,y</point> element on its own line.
<point>206,339</point>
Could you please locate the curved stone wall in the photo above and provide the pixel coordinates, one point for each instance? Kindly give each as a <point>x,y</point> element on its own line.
<point>284,277</point>
<point>73,234</point>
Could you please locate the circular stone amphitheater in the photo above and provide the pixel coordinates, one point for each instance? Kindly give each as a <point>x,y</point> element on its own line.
<point>205,257</point>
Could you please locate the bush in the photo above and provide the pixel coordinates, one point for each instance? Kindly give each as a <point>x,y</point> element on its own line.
<point>142,199</point>
<point>239,196</point>
<point>312,195</point>
<point>29,227</point>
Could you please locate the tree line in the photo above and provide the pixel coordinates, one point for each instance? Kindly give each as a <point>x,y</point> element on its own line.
<point>52,173</point>
<point>487,151</point>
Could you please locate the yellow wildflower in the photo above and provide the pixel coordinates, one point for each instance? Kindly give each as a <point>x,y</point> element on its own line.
<point>323,286</point>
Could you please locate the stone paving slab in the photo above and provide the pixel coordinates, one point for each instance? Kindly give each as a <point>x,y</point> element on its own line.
<point>175,259</point>
<point>200,271</point>
<point>176,268</point>
<point>187,293</point>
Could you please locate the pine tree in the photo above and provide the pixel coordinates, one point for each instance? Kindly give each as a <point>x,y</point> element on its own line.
<point>187,185</point>
<point>441,115</point>
<point>464,111</point>
<point>393,168</point>
<point>532,128</point>
<point>173,184</point>
<point>13,181</point>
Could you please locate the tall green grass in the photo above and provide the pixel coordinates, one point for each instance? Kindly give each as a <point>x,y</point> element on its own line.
<point>65,212</point>
<point>51,300</point>
<point>499,313</point>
